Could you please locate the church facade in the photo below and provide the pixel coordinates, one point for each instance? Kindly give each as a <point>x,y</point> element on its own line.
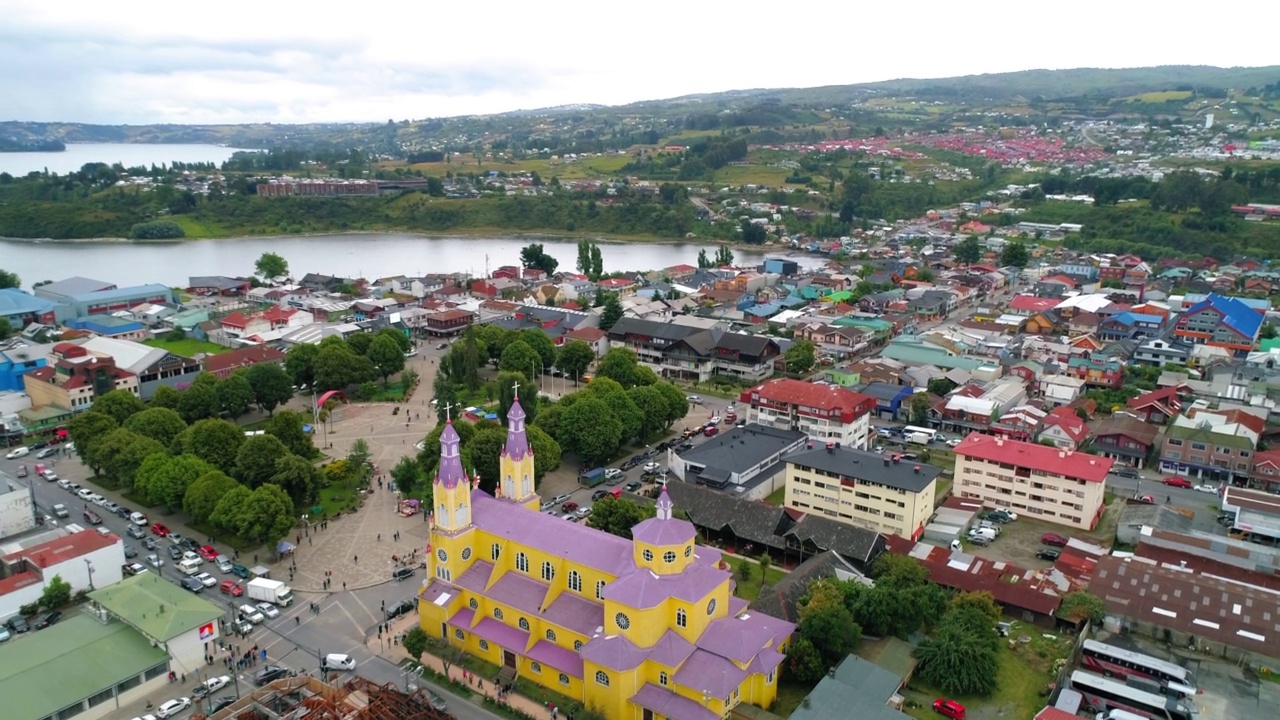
<point>641,629</point>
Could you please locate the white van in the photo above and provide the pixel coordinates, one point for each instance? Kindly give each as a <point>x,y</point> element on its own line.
<point>338,661</point>
<point>138,519</point>
<point>987,533</point>
<point>189,567</point>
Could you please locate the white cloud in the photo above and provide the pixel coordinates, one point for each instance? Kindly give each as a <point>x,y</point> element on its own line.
<point>235,61</point>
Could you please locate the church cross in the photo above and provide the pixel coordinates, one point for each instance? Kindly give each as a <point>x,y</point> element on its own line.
<point>447,408</point>
<point>515,389</point>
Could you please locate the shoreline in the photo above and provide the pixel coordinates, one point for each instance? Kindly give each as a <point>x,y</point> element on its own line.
<point>463,233</point>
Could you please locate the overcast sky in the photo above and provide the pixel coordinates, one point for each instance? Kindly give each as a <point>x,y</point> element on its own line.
<point>212,61</point>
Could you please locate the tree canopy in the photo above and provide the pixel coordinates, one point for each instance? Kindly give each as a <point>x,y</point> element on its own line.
<point>533,256</point>
<point>270,265</point>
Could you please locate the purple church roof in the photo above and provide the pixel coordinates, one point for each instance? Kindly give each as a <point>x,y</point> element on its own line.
<point>517,441</point>
<point>451,472</point>
<point>553,655</point>
<point>644,589</point>
<point>548,533</point>
<point>656,531</point>
<point>668,704</point>
<point>575,613</point>
<point>614,652</point>
<point>671,649</point>
<point>742,638</point>
<point>710,673</point>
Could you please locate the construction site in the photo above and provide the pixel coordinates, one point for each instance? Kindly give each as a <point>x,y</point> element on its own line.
<point>356,699</point>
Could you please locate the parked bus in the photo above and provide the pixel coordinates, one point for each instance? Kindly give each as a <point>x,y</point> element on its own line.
<point>1113,661</point>
<point>1103,694</point>
<point>910,430</point>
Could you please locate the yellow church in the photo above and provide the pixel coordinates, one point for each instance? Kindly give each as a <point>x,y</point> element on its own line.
<point>643,629</point>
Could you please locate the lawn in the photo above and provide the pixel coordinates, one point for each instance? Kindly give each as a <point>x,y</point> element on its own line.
<point>777,497</point>
<point>790,695</point>
<point>391,392</point>
<point>751,175</point>
<point>1025,670</point>
<point>749,589</point>
<point>186,347</point>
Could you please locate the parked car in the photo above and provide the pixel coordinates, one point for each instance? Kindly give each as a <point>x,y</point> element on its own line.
<point>270,673</point>
<point>223,563</point>
<point>1126,472</point>
<point>633,486</point>
<point>560,499</point>
<point>597,495</point>
<point>1053,539</point>
<point>982,540</point>
<point>135,532</point>
<point>269,610</point>
<point>993,516</point>
<point>155,561</point>
<point>92,517</point>
<point>221,702</point>
<point>60,510</point>
<point>1211,489</point>
<point>1000,510</point>
<point>695,399</point>
<point>175,552</point>
<point>710,431</point>
<point>401,608</point>
<point>949,709</point>
<point>191,583</point>
<point>47,619</point>
<point>569,507</point>
<point>159,529</point>
<point>206,579</point>
<point>133,569</point>
<point>403,573</point>
<point>18,452</point>
<point>652,467</point>
<point>251,613</point>
<point>210,686</point>
<point>172,707</point>
<point>1178,482</point>
<point>1148,499</point>
<point>18,624</point>
<point>47,452</point>
<point>1049,555</point>
<point>612,473</point>
<point>130,551</point>
<point>207,553</point>
<point>149,543</point>
<point>231,587</point>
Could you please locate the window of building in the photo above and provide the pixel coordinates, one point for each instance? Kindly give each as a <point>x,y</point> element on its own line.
<point>622,621</point>
<point>484,644</point>
<point>711,606</point>
<point>522,562</point>
<point>682,618</point>
<point>535,667</point>
<point>688,550</point>
<point>662,678</point>
<point>524,487</point>
<point>669,557</point>
<point>648,555</point>
<point>577,646</point>
<point>473,604</point>
<point>599,589</point>
<point>459,634</point>
<point>524,624</point>
<point>564,679</point>
<point>548,571</point>
<point>466,553</point>
<point>497,613</point>
<point>494,551</point>
<point>602,678</point>
<point>575,581</point>
<point>442,556</point>
<point>551,635</point>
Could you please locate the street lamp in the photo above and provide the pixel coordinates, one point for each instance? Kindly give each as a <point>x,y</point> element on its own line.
<point>90,566</point>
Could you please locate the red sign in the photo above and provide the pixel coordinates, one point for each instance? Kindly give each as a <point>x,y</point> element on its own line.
<point>207,631</point>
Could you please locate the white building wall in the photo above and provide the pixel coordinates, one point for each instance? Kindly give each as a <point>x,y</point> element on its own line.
<point>107,562</point>
<point>187,651</point>
<point>17,512</point>
<point>11,602</point>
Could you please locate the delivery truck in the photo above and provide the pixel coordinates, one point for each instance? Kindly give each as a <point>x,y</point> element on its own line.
<point>267,590</point>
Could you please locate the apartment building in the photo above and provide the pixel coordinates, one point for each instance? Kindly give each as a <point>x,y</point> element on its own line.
<point>681,351</point>
<point>825,413</point>
<point>1216,446</point>
<point>75,379</point>
<point>1058,486</point>
<point>869,490</point>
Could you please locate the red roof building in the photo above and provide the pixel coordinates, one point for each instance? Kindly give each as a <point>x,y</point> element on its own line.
<point>226,363</point>
<point>1051,484</point>
<point>1064,427</point>
<point>1022,592</point>
<point>1030,304</point>
<point>824,412</point>
<point>1158,406</point>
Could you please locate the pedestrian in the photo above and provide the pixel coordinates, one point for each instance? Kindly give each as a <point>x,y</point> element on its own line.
<point>379,537</point>
<point>344,586</point>
<point>309,543</point>
<point>297,621</point>
<point>355,559</point>
<point>255,558</point>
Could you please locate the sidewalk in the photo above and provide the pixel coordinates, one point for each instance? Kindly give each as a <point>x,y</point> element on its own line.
<point>397,654</point>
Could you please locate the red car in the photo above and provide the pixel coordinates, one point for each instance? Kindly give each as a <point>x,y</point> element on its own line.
<point>711,431</point>
<point>230,587</point>
<point>1178,482</point>
<point>949,708</point>
<point>208,553</point>
<point>1053,539</point>
<point>159,529</point>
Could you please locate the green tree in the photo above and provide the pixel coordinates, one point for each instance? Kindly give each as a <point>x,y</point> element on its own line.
<point>968,251</point>
<point>359,342</point>
<point>298,478</point>
<point>590,430</point>
<point>447,400</point>
<point>415,642</point>
<point>612,312</point>
<point>119,404</point>
<point>215,441</point>
<point>801,356</point>
<point>407,474</point>
<point>6,330</point>
<point>164,478</point>
<point>9,280</point>
<point>358,455</point>
<point>549,419</point>
<point>270,266</point>
<point>1082,605</point>
<point>86,430</point>
<point>484,450</point>
<point>165,397</point>
<point>617,516</point>
<point>235,394</point>
<point>158,423</point>
<point>56,594</point>
<point>533,256</point>
<point>724,256</point>
<point>287,428</point>
<point>203,495</point>
<point>1267,332</point>
<point>256,459</point>
<point>1014,254</point>
<point>584,257</point>
<point>941,386</point>
<point>957,662</point>
<point>386,356</point>
<point>805,662</point>
<point>507,394</point>
<point>597,263</point>
<point>546,452</point>
<point>703,261</point>
<point>229,513</point>
<point>574,359</point>
<point>920,408</point>
<point>518,357</point>
<point>652,405</point>
<point>619,364</point>
<point>122,453</point>
<point>399,338</point>
<point>827,623</point>
<point>270,384</point>
<point>677,401</point>
<point>337,367</point>
<point>268,515</point>
<point>541,344</point>
<point>300,364</point>
<point>628,414</point>
<point>199,402</point>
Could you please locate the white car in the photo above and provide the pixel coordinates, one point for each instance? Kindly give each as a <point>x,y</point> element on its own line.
<point>98,500</point>
<point>206,579</point>
<point>1009,513</point>
<point>173,707</point>
<point>212,685</point>
<point>612,473</point>
<point>715,420</point>
<point>252,614</point>
<point>269,610</point>
<point>18,452</point>
<point>1212,489</point>
<point>85,494</point>
<point>652,467</point>
<point>953,442</point>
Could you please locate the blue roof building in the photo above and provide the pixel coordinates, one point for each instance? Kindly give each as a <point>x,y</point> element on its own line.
<point>22,309</point>
<point>16,363</point>
<point>113,299</point>
<point>1222,321</point>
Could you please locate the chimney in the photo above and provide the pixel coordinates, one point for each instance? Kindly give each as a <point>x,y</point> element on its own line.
<point>1062,453</point>
<point>916,470</point>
